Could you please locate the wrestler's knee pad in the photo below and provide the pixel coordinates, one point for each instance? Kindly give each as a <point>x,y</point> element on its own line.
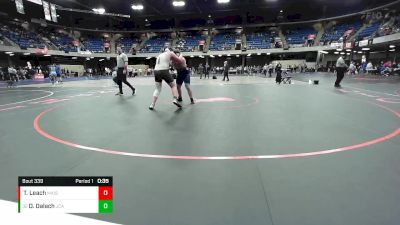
<point>158,90</point>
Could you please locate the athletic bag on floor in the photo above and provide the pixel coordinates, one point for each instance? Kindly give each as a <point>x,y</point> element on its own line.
<point>214,77</point>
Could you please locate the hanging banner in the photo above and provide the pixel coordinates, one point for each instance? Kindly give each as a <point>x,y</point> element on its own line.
<point>363,43</point>
<point>336,45</point>
<point>348,45</point>
<point>46,9</point>
<point>20,6</point>
<point>53,13</point>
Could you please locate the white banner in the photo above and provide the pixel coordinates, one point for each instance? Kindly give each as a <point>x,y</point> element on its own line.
<point>363,43</point>
<point>53,12</point>
<point>341,45</point>
<point>20,6</point>
<point>336,45</point>
<point>46,9</point>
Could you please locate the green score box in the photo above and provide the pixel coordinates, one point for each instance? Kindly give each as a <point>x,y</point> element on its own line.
<point>105,206</point>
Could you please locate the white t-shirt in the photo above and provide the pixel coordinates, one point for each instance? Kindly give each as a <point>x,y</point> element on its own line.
<point>121,60</point>
<point>164,60</point>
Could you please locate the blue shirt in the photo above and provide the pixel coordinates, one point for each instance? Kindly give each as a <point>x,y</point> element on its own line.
<point>58,69</point>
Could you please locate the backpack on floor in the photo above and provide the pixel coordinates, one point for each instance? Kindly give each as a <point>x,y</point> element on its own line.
<point>214,77</point>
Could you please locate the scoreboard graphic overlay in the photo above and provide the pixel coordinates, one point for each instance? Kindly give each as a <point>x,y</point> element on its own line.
<point>65,194</point>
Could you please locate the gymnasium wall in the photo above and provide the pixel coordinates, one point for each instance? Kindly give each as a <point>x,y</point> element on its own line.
<point>286,63</point>
<point>374,57</point>
<point>74,68</point>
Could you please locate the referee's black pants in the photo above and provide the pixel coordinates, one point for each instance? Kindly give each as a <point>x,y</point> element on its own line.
<point>339,75</point>
<point>121,78</point>
<point>226,75</point>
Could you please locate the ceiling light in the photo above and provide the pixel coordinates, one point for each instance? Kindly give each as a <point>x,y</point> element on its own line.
<point>137,7</point>
<point>27,53</point>
<point>74,57</point>
<point>39,2</point>
<point>219,55</point>
<point>259,53</point>
<point>365,49</point>
<point>348,53</point>
<point>237,56</point>
<point>348,50</point>
<point>249,55</point>
<point>268,53</point>
<point>360,52</point>
<point>339,49</point>
<point>47,55</point>
<point>392,46</point>
<point>178,3</point>
<point>192,56</point>
<point>392,50</point>
<point>101,60</point>
<point>324,52</point>
<point>229,54</point>
<point>223,1</point>
<point>281,11</point>
<point>342,53</point>
<point>11,55</point>
<point>336,53</point>
<point>99,10</point>
<point>9,52</point>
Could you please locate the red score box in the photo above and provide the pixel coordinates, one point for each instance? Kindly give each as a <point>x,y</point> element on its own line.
<point>105,193</point>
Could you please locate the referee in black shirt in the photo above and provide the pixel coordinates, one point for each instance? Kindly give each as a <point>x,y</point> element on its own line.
<point>226,71</point>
